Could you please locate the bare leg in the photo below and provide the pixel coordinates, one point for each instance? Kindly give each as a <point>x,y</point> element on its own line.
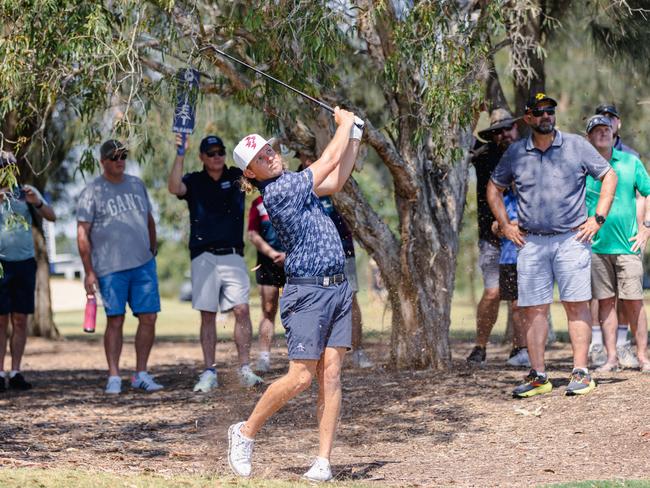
<point>113,343</point>
<point>609,324</point>
<point>243,332</point>
<point>634,312</point>
<point>297,379</point>
<point>535,320</point>
<point>357,327</point>
<point>269,296</point>
<point>518,326</point>
<point>18,339</point>
<point>144,339</point>
<point>4,325</point>
<point>486,315</point>
<point>579,318</point>
<point>208,337</point>
<point>329,398</point>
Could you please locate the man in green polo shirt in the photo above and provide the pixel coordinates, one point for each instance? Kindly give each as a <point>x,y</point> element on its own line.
<point>616,269</point>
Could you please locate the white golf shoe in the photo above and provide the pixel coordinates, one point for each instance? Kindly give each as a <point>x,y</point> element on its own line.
<point>240,450</point>
<point>320,470</point>
<point>207,381</point>
<point>113,385</point>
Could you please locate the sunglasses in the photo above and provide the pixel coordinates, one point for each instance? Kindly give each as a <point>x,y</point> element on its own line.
<point>500,131</point>
<point>116,157</point>
<point>538,112</point>
<point>219,152</point>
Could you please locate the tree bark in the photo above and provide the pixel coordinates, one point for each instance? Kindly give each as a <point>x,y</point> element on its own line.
<point>41,324</point>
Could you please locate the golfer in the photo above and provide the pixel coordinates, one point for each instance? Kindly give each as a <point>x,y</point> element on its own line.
<point>316,306</point>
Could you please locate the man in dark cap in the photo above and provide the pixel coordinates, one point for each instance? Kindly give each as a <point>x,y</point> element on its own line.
<point>553,233</point>
<point>220,281</point>
<point>500,134</point>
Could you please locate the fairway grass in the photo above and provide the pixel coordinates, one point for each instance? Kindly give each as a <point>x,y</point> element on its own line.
<point>603,484</point>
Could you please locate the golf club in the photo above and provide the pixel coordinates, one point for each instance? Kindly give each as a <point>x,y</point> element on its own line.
<point>295,90</point>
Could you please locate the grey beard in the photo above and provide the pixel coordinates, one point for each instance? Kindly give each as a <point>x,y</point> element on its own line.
<point>544,129</point>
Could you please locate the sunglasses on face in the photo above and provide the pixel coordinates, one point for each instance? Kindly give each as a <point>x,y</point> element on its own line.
<point>538,112</point>
<point>500,131</point>
<point>217,152</point>
<point>116,157</point>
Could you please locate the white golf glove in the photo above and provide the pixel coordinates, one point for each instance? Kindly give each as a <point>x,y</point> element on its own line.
<point>356,132</point>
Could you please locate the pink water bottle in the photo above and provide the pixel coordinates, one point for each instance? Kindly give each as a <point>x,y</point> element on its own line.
<point>90,316</point>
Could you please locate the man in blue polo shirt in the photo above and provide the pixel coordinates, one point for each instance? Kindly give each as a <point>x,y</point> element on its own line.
<point>316,304</point>
<point>220,279</point>
<point>549,169</point>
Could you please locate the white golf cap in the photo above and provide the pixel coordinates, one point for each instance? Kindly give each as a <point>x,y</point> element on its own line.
<point>248,148</point>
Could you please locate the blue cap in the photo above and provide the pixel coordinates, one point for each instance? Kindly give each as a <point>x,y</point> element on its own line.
<point>596,120</point>
<point>210,141</point>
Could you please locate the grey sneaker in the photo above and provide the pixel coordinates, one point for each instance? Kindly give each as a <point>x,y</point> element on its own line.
<point>626,356</point>
<point>477,356</point>
<point>581,383</point>
<point>597,355</point>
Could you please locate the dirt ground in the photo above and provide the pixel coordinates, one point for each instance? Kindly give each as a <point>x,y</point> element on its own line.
<point>461,428</point>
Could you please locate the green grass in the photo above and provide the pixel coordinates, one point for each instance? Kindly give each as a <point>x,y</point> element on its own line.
<point>63,478</point>
<point>603,484</point>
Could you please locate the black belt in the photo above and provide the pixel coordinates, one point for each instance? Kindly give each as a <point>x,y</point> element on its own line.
<point>225,250</point>
<point>316,280</point>
<point>548,234</point>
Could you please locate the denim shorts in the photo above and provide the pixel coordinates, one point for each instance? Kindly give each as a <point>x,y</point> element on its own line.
<point>315,317</point>
<point>559,258</point>
<point>17,286</point>
<point>136,286</point>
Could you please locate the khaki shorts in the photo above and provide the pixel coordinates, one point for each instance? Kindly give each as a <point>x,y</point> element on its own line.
<point>219,282</point>
<point>617,275</point>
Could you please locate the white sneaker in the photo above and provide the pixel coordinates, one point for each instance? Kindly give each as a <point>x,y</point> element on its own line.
<point>113,385</point>
<point>247,378</point>
<point>520,358</point>
<point>320,470</point>
<point>207,381</point>
<point>263,365</point>
<point>361,360</point>
<point>597,355</point>
<point>626,356</point>
<point>144,381</point>
<point>240,450</point>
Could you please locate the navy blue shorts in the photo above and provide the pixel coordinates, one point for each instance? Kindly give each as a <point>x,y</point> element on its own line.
<point>17,286</point>
<point>315,317</point>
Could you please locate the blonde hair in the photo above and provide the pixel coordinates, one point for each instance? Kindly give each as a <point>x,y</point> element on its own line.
<point>246,185</point>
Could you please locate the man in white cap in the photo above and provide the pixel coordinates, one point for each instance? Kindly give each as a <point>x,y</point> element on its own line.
<point>316,305</point>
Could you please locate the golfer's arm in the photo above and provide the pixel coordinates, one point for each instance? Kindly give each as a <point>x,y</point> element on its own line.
<point>607,191</point>
<point>494,195</point>
<point>175,183</point>
<point>337,178</point>
<point>332,155</point>
<point>84,245</point>
<point>260,244</point>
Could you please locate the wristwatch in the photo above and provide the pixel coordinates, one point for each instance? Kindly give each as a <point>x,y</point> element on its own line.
<point>600,219</point>
<point>646,223</point>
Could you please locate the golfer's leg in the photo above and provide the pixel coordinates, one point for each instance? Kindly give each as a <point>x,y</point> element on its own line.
<point>208,336</point>
<point>144,338</point>
<point>331,404</point>
<point>609,325</point>
<point>18,339</point>
<point>579,317</point>
<point>297,379</point>
<point>113,343</point>
<point>535,320</point>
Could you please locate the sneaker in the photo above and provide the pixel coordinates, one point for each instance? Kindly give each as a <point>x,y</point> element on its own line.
<point>519,357</point>
<point>113,385</point>
<point>477,356</point>
<point>18,383</point>
<point>240,450</point>
<point>534,384</point>
<point>207,381</point>
<point>581,383</point>
<point>263,365</point>
<point>320,470</point>
<point>247,378</point>
<point>597,355</point>
<point>144,381</point>
<point>626,356</point>
<point>361,360</point>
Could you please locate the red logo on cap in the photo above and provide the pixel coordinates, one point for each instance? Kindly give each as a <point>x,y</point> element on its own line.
<point>250,142</point>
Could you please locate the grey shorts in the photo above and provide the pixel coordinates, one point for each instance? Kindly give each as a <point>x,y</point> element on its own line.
<point>547,259</point>
<point>219,282</point>
<point>617,275</point>
<point>351,273</point>
<point>315,317</point>
<point>488,261</point>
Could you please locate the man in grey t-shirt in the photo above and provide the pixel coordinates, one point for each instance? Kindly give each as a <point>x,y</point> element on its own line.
<point>116,235</point>
<point>553,233</point>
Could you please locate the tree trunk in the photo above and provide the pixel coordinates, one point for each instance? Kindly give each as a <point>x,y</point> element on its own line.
<point>41,324</point>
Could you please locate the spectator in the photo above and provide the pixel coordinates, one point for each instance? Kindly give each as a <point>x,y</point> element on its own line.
<point>18,269</point>
<point>553,232</point>
<point>501,133</point>
<point>616,269</point>
<point>220,279</point>
<point>116,235</point>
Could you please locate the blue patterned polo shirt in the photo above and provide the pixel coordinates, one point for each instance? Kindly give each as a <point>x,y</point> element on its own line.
<point>309,236</point>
